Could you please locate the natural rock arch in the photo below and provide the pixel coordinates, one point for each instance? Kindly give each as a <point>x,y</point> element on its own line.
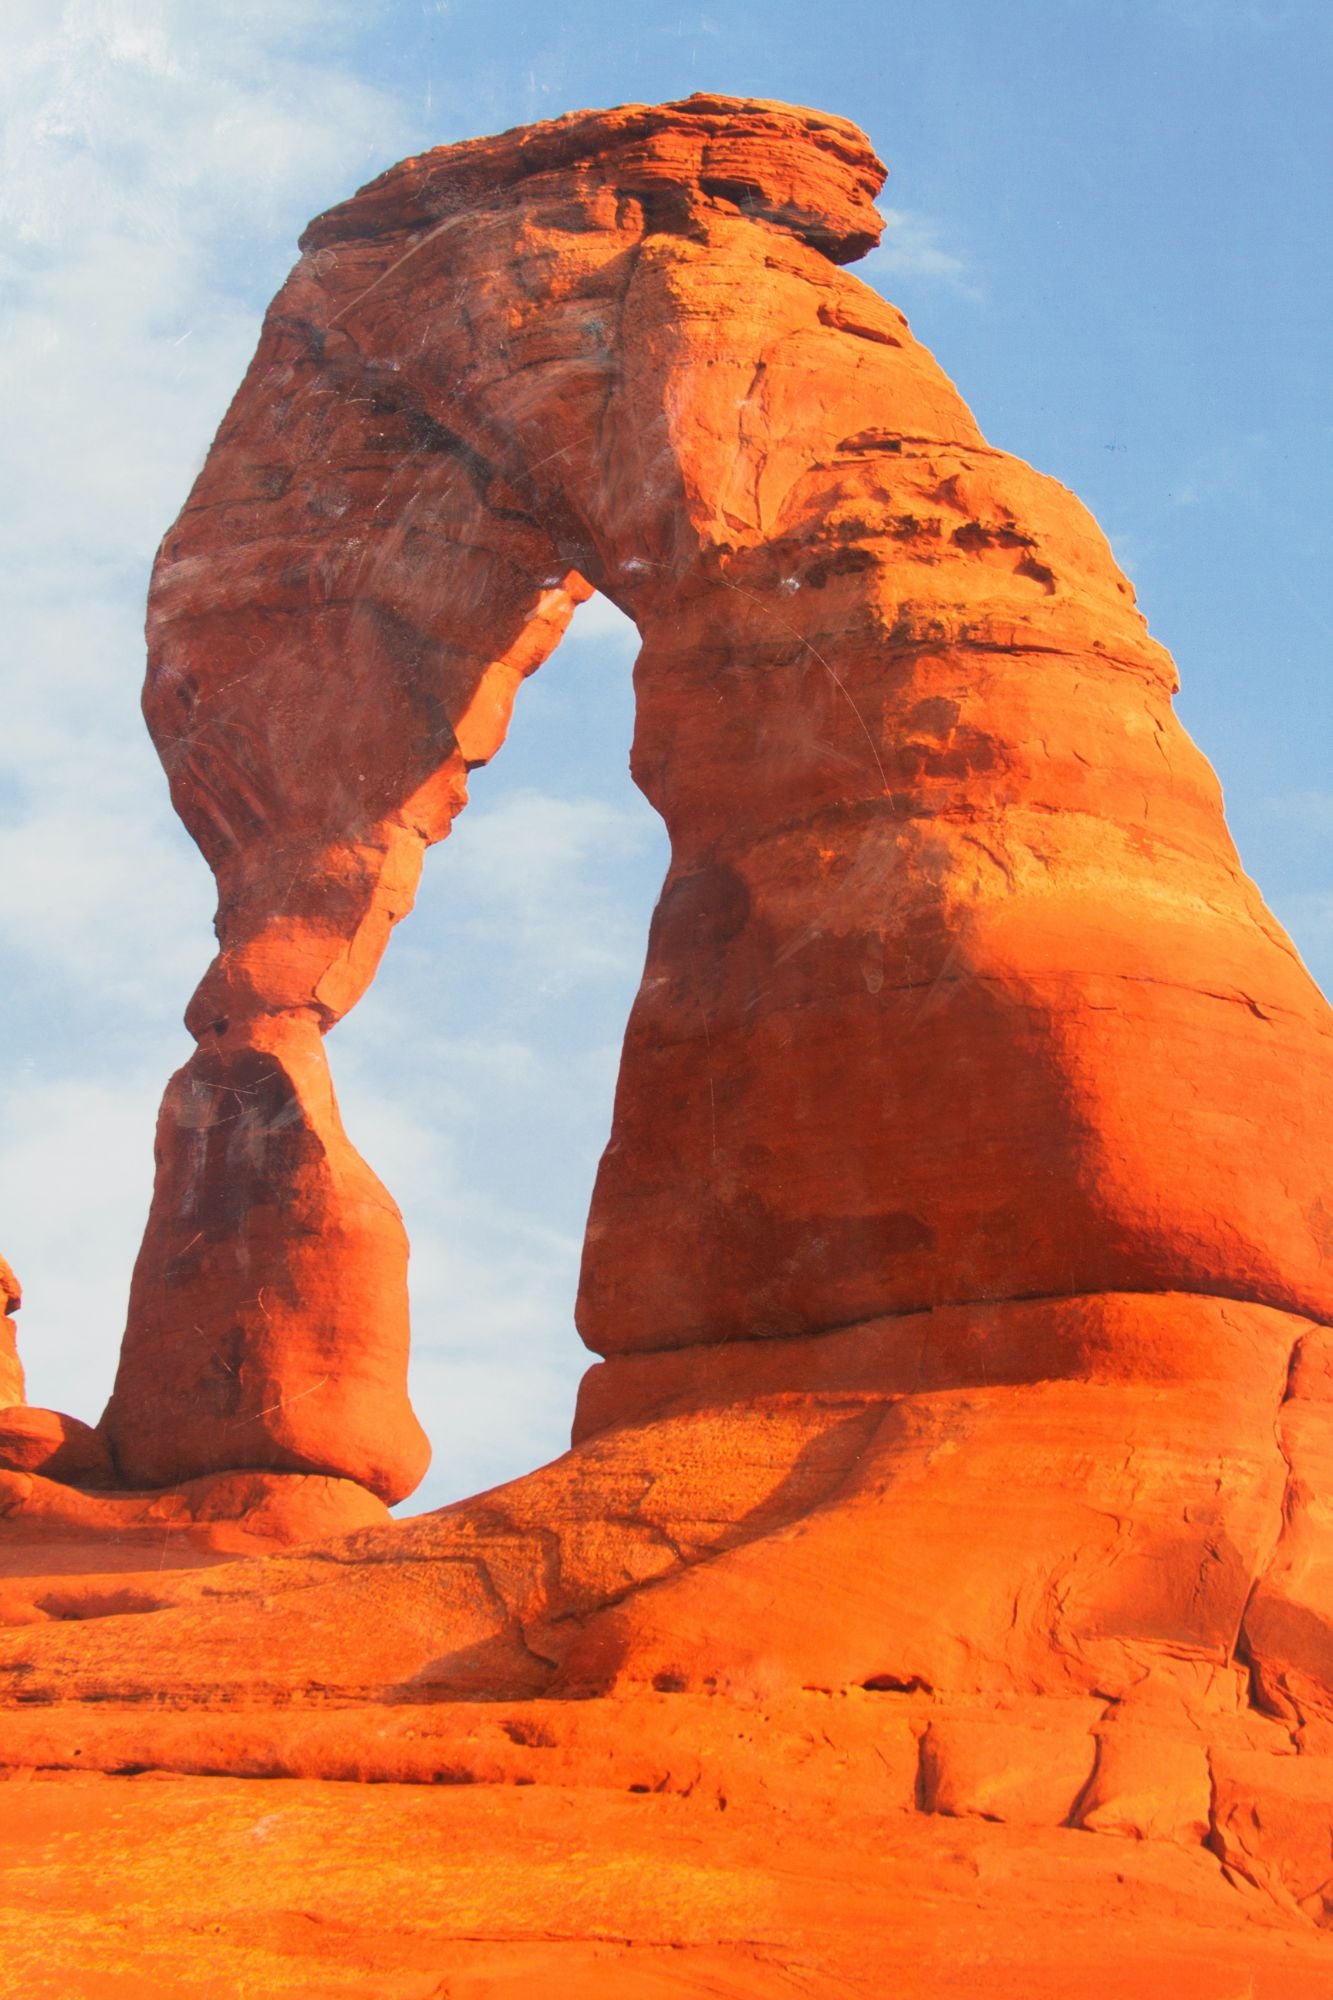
<point>961,1253</point>
<point>955,991</point>
<point>955,994</point>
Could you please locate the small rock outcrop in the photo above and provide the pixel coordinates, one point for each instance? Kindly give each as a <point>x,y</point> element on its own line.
<point>11,1368</point>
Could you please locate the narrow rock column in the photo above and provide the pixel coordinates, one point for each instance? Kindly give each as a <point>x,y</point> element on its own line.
<point>11,1369</point>
<point>337,627</point>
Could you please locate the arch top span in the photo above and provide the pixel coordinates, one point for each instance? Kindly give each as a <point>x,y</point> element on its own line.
<point>953,931</point>
<point>803,170</point>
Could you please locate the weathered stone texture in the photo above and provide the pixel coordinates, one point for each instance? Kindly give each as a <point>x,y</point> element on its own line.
<point>961,1255</point>
<point>955,992</point>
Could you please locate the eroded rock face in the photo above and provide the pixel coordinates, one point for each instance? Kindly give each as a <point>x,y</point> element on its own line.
<point>960,1259</point>
<point>962,1038</point>
<point>11,1369</point>
<point>379,549</point>
<point>955,991</point>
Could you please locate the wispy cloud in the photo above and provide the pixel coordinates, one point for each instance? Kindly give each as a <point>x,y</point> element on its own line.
<point>495,1359</point>
<point>76,1170</point>
<point>526,875</point>
<point>910,248</point>
<point>141,142</point>
<point>503,1001</point>
<point>1216,477</point>
<point>1310,811</point>
<point>1130,549</point>
<point>598,620</point>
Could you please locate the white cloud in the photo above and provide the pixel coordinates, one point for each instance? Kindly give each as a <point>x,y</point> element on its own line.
<point>495,1359</point>
<point>111,898</point>
<point>76,1171</point>
<point>1216,476</point>
<point>599,620</point>
<point>495,1415</point>
<point>1133,549</point>
<point>477,1078</point>
<point>138,137</point>
<point>526,873</point>
<point>910,248</point>
<point>1312,811</point>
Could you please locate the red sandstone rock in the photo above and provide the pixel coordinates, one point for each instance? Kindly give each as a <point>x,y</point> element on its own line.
<point>245,1513</point>
<point>299,1890</point>
<point>962,1244</point>
<point>955,991</point>
<point>11,1371</point>
<point>1059,1498</point>
<point>268,1312</point>
<point>59,1447</point>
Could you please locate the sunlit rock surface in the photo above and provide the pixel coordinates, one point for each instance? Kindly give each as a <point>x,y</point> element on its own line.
<point>949,1508</point>
<point>11,1369</point>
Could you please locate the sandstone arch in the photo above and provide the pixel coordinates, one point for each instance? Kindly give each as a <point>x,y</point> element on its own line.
<point>955,992</point>
<point>961,1253</point>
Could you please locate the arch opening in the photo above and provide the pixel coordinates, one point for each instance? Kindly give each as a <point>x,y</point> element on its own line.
<point>476,1075</point>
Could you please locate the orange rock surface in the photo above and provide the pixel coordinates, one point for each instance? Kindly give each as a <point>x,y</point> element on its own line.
<point>11,1369</point>
<point>948,1505</point>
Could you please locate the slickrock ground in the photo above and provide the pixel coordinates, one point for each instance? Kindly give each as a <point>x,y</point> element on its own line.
<point>231,1817</point>
<point>304,1891</point>
<point>940,1585</point>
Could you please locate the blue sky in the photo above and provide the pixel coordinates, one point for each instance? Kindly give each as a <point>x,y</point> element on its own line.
<point>1109,219</point>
